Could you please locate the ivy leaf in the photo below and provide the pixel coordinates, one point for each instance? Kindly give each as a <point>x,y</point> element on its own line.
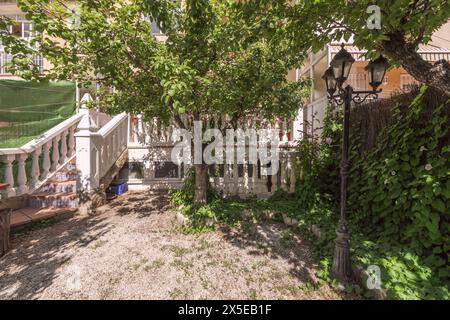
<point>439,205</point>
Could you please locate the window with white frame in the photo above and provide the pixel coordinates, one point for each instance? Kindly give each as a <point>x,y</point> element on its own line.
<point>155,28</point>
<point>153,25</point>
<point>5,59</point>
<point>22,29</point>
<point>407,82</point>
<point>167,170</point>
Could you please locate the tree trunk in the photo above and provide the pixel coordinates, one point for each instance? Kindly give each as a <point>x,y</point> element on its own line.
<point>201,183</point>
<point>436,75</point>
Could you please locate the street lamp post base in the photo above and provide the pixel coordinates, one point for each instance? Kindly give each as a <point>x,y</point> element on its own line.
<point>342,266</point>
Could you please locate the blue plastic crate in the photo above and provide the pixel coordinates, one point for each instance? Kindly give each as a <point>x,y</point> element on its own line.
<point>117,188</point>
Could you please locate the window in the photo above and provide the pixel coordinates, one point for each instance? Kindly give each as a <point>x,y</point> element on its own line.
<point>21,29</point>
<point>5,58</point>
<point>38,61</point>
<point>153,25</point>
<point>155,28</point>
<point>16,29</point>
<point>407,82</point>
<point>166,169</point>
<point>27,31</point>
<point>132,170</point>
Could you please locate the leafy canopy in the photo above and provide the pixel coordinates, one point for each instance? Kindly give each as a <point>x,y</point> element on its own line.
<point>212,62</point>
<point>404,25</point>
<point>317,22</point>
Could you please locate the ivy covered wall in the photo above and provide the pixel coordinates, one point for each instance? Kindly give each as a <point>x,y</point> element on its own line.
<point>399,191</point>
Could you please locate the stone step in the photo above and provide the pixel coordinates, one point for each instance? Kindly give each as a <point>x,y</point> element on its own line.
<point>53,199</point>
<point>59,186</point>
<point>64,175</point>
<point>25,216</point>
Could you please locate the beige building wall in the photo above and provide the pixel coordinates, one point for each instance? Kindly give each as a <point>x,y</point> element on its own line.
<point>310,119</point>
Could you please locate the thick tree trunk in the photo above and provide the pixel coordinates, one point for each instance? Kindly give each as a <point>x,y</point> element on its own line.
<point>436,75</point>
<point>201,183</point>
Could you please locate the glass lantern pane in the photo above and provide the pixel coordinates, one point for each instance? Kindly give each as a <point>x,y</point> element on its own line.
<point>347,68</point>
<point>378,75</point>
<point>337,70</point>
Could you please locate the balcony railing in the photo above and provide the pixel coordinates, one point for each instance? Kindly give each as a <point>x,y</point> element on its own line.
<point>5,60</point>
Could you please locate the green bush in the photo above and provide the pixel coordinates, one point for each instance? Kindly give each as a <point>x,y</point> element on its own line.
<point>399,197</point>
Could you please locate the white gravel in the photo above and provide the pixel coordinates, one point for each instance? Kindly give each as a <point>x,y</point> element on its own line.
<point>134,249</point>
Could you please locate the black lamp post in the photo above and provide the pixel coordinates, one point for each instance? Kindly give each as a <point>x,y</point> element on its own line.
<point>335,76</point>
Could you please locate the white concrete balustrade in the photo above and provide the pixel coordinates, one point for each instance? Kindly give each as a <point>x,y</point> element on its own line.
<point>149,144</point>
<point>98,148</point>
<point>97,140</point>
<point>246,179</point>
<point>47,152</point>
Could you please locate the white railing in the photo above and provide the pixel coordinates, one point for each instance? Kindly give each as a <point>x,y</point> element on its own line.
<point>148,133</point>
<point>247,179</point>
<point>48,153</point>
<point>154,132</point>
<point>98,141</point>
<point>149,146</point>
<point>98,151</point>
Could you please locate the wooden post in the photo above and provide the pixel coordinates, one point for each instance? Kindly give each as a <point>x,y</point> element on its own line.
<point>5,222</point>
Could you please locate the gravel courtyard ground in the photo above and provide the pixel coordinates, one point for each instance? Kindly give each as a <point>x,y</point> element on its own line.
<point>134,249</point>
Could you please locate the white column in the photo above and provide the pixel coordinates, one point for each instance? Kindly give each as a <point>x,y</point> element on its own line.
<point>86,179</point>
<point>22,174</point>
<point>9,177</point>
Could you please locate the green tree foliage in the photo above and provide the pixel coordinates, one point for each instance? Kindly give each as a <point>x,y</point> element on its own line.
<point>212,63</point>
<point>404,25</point>
<point>399,196</point>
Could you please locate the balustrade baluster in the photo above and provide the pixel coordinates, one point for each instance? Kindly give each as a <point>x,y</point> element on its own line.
<point>46,161</point>
<point>285,131</point>
<point>55,154</point>
<point>9,177</point>
<point>71,142</point>
<point>35,170</point>
<point>133,128</point>
<point>293,178</point>
<point>283,173</point>
<point>255,179</point>
<point>235,183</point>
<point>63,157</point>
<point>22,174</point>
<point>140,130</point>
<point>245,177</point>
<point>114,145</point>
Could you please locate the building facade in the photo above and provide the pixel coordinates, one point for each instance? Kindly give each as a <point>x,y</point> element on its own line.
<point>310,119</point>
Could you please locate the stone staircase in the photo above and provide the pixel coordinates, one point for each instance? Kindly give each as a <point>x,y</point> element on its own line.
<point>55,199</point>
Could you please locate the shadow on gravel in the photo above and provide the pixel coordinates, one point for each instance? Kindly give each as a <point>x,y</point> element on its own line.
<point>32,264</point>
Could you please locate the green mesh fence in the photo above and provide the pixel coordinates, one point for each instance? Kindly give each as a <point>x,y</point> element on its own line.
<point>28,109</point>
